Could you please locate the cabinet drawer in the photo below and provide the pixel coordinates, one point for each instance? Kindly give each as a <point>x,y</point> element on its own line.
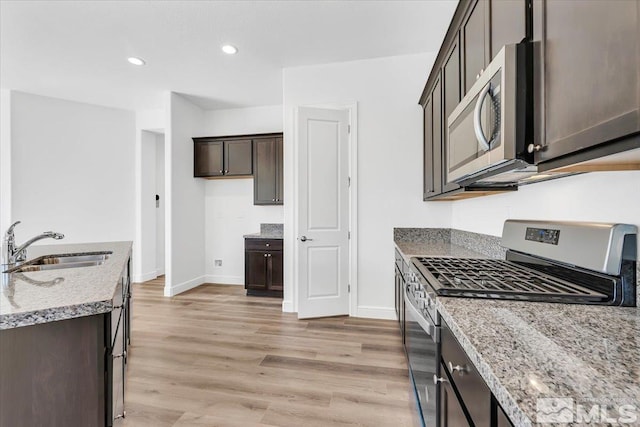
<point>475,394</point>
<point>263,244</point>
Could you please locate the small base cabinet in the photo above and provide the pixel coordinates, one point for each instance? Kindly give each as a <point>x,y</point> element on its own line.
<point>263,267</point>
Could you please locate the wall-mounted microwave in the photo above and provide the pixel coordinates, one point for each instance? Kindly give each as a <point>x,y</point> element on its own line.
<point>488,133</point>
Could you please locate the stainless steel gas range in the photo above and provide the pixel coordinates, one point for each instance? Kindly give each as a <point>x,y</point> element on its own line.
<point>557,262</point>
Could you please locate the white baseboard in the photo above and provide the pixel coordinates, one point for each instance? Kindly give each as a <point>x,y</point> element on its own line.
<point>160,272</point>
<point>287,306</point>
<point>375,312</point>
<point>170,291</point>
<point>224,280</point>
<point>145,277</point>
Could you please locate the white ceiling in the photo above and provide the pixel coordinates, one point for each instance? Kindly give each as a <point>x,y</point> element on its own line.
<point>77,49</point>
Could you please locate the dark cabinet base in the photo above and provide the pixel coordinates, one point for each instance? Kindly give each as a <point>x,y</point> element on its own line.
<point>263,267</point>
<point>274,294</point>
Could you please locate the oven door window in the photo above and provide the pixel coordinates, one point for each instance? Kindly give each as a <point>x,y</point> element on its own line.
<point>422,351</point>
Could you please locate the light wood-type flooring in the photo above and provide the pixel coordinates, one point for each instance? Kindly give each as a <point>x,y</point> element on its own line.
<point>215,357</point>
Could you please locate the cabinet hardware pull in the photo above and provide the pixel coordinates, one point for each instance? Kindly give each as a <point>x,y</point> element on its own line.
<point>531,148</point>
<point>226,172</point>
<point>461,369</point>
<point>118,306</point>
<point>437,380</point>
<point>269,255</point>
<point>273,200</point>
<point>268,244</point>
<point>123,415</point>
<point>123,354</point>
<point>265,255</point>
<point>222,172</point>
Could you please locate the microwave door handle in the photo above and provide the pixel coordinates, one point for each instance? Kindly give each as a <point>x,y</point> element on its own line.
<point>477,123</point>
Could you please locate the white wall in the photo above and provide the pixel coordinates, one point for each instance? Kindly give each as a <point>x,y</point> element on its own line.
<point>240,121</point>
<point>229,209</point>
<point>230,214</point>
<point>5,159</point>
<point>389,163</point>
<point>184,240</point>
<point>597,196</point>
<point>72,169</point>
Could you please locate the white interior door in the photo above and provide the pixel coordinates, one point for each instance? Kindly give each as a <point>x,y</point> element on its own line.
<point>323,212</point>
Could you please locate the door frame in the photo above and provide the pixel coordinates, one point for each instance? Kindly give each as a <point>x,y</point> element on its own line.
<point>352,108</point>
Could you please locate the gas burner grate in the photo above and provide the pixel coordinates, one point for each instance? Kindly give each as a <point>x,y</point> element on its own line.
<point>493,278</point>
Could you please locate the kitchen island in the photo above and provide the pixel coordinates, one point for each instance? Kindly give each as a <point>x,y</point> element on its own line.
<point>537,357</point>
<point>64,334</point>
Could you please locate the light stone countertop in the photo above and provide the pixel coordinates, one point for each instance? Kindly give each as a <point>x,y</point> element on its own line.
<point>530,350</point>
<point>46,296</point>
<point>409,250</point>
<point>263,236</point>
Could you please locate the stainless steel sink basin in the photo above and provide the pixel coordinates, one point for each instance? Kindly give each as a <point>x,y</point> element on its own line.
<point>59,261</point>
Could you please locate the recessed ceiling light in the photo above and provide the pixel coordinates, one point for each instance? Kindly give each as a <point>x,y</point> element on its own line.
<point>136,61</point>
<point>229,49</point>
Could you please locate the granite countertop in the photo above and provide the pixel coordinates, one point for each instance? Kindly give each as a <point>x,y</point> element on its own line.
<point>263,236</point>
<point>529,350</point>
<point>409,250</point>
<point>46,296</point>
<point>526,351</point>
<point>267,231</point>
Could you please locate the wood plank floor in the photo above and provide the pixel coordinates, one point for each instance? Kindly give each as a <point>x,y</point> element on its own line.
<point>215,357</point>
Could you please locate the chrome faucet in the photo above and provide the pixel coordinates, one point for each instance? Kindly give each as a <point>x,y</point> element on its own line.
<point>14,255</point>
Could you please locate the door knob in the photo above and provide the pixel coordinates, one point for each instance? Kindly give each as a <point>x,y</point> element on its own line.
<point>304,239</point>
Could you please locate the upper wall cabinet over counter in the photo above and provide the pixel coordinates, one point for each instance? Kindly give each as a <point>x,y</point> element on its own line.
<point>586,80</point>
<point>477,32</point>
<point>259,156</point>
<point>582,101</point>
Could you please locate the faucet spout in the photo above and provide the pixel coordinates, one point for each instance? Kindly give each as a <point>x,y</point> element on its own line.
<point>13,254</point>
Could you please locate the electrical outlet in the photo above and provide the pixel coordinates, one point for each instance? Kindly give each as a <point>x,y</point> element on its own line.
<point>217,263</point>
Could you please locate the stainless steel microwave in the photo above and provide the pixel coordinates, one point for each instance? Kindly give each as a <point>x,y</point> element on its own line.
<point>487,133</point>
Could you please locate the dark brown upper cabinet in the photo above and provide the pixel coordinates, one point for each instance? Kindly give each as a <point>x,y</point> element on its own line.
<point>508,23</point>
<point>587,79</point>
<point>208,158</point>
<point>215,157</point>
<point>268,171</point>
<point>475,37</point>
<point>429,190</point>
<point>451,98</point>
<point>468,47</point>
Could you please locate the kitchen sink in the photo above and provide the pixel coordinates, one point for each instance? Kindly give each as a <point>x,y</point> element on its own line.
<point>60,261</point>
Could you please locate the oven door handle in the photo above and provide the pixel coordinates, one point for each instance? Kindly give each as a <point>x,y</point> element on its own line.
<point>427,326</point>
<point>477,118</point>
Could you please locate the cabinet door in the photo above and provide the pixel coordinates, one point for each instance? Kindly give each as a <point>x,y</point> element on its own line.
<point>436,119</point>
<point>255,270</point>
<point>590,73</point>
<point>208,159</point>
<point>502,419</point>
<point>279,171</point>
<point>508,19</point>
<point>428,150</point>
<point>451,98</point>
<point>474,33</point>
<point>238,157</point>
<point>451,412</point>
<point>275,268</point>
<point>265,171</point>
